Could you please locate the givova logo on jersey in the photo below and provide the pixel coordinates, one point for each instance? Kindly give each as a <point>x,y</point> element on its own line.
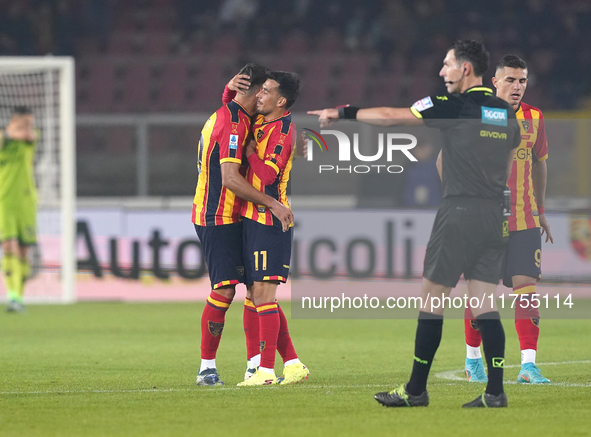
<point>495,116</point>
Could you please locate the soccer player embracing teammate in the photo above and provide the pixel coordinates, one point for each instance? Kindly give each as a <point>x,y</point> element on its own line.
<point>220,197</point>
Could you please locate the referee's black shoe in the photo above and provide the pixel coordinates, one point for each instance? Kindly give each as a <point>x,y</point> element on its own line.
<point>400,398</point>
<point>486,400</point>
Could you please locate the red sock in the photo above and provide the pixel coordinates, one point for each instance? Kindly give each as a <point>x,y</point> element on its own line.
<point>471,331</point>
<point>284,344</point>
<point>527,319</point>
<point>250,321</point>
<point>268,332</point>
<point>212,324</point>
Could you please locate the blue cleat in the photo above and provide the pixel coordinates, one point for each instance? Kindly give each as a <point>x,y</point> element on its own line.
<point>209,377</point>
<point>475,370</point>
<point>530,374</point>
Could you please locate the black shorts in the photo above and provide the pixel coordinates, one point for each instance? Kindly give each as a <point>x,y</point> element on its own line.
<point>523,255</point>
<point>267,252</point>
<point>469,236</point>
<point>222,248</point>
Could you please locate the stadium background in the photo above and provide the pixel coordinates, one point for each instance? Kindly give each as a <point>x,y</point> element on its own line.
<point>150,72</point>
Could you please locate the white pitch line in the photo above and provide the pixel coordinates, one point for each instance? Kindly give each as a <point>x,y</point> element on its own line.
<point>451,375</point>
<point>195,389</point>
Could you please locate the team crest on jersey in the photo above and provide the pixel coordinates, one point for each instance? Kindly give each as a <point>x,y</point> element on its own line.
<point>261,209</point>
<point>260,134</point>
<point>262,345</point>
<point>525,124</point>
<point>580,235</point>
<point>240,270</point>
<point>215,329</point>
<point>535,321</point>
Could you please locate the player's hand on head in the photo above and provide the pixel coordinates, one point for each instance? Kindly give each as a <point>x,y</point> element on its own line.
<point>546,228</point>
<point>239,83</point>
<point>326,117</point>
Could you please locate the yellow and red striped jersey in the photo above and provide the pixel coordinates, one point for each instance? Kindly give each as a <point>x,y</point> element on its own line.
<point>533,147</point>
<point>269,167</point>
<point>222,140</point>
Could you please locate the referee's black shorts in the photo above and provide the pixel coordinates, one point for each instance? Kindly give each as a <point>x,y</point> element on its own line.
<point>469,236</point>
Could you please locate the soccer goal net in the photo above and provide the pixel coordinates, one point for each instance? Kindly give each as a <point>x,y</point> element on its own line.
<point>46,86</point>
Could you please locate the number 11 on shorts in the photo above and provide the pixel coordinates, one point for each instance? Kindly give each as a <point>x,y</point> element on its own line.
<point>256,259</point>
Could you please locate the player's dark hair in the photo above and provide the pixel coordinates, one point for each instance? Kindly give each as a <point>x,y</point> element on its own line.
<point>289,85</point>
<point>21,110</point>
<point>467,50</point>
<point>511,61</point>
<point>258,75</point>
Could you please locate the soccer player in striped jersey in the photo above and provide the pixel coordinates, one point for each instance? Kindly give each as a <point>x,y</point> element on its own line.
<point>221,190</point>
<point>294,371</point>
<point>523,256</point>
<point>18,202</point>
<point>267,249</point>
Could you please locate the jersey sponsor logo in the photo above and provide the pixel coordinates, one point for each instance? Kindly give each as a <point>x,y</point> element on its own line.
<point>523,154</point>
<point>443,98</point>
<point>233,142</point>
<point>421,105</point>
<point>491,134</point>
<point>494,116</point>
<point>261,209</point>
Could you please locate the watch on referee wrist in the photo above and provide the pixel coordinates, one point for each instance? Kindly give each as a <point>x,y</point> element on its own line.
<point>348,112</point>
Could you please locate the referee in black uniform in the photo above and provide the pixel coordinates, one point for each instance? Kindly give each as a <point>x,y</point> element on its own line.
<point>470,231</point>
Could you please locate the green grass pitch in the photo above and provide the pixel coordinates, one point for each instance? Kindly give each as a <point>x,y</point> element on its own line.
<point>112,369</point>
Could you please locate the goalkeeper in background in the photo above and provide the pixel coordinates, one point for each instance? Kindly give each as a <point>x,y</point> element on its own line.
<point>18,202</point>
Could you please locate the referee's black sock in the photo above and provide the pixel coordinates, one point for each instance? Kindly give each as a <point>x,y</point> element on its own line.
<point>426,343</point>
<point>493,343</point>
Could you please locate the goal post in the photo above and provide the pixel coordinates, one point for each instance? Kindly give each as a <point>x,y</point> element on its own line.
<point>47,86</point>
